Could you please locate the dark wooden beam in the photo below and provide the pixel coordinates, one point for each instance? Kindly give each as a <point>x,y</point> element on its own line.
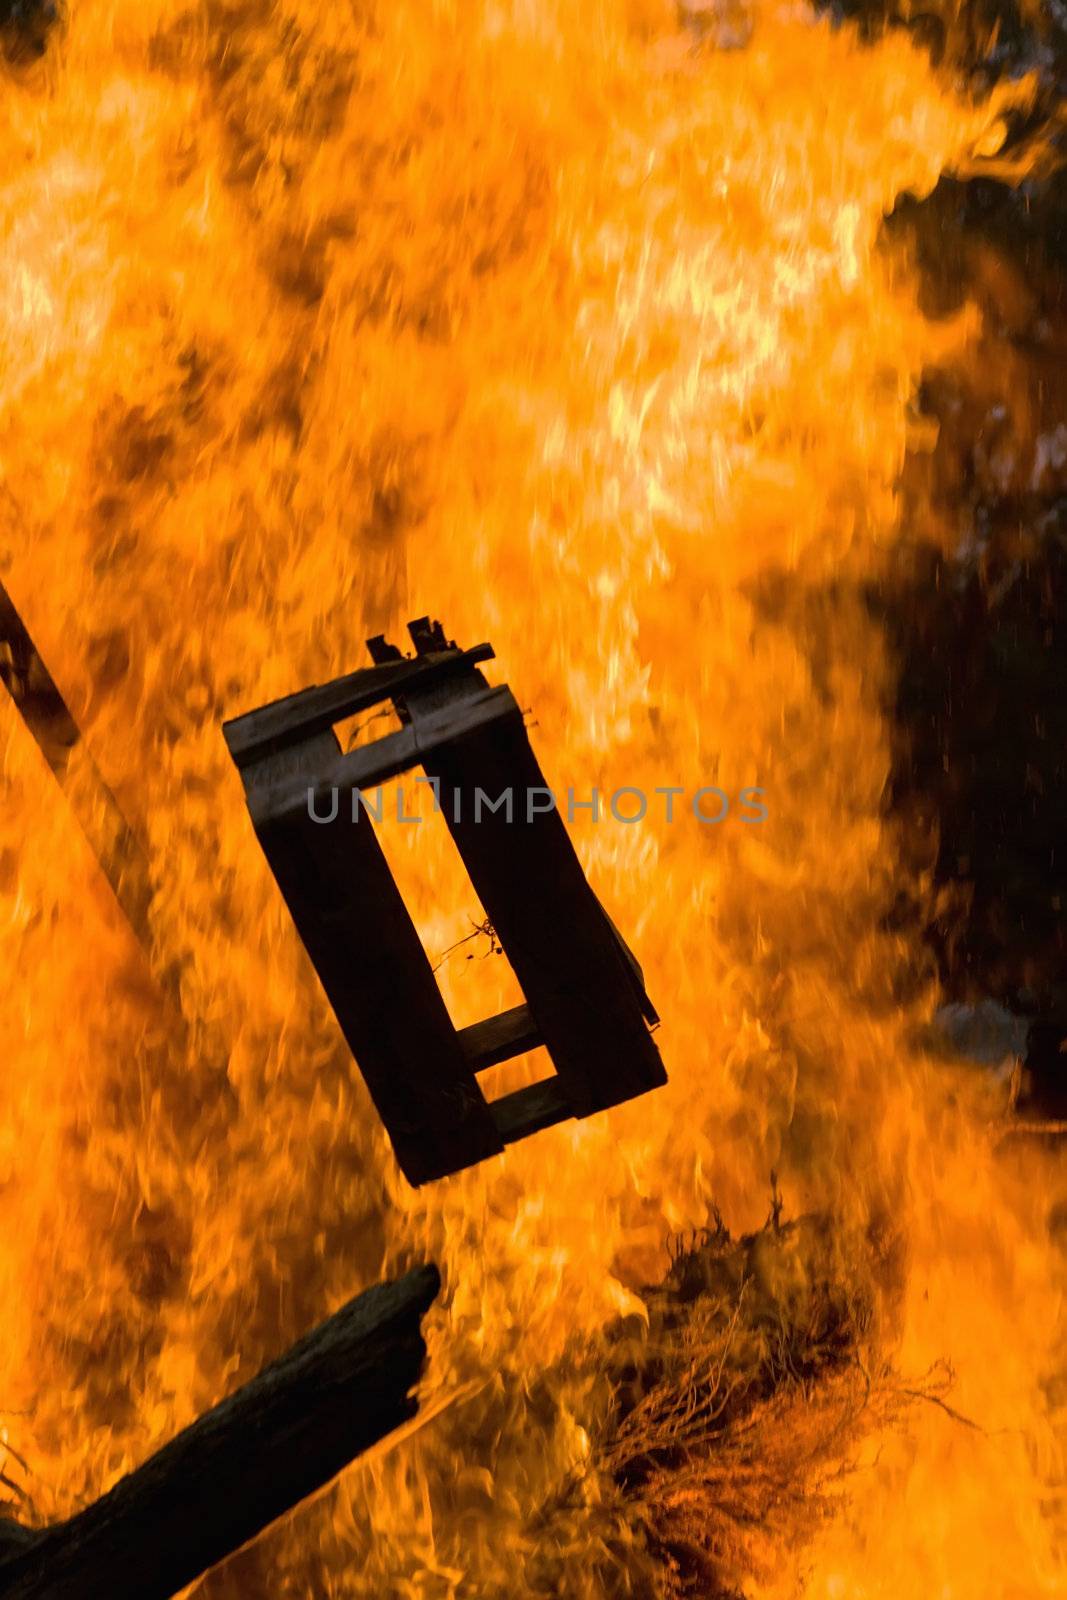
<point>48,718</point>
<point>243,1464</point>
<point>300,716</point>
<point>512,1033</point>
<point>382,990</point>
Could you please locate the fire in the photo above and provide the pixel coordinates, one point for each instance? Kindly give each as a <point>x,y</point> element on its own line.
<point>573,329</point>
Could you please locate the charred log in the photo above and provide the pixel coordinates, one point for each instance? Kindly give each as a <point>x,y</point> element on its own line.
<point>243,1464</point>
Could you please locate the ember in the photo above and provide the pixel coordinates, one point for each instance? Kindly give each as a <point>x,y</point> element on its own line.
<point>582,326</point>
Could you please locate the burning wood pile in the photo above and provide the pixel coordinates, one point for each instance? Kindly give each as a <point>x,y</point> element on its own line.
<point>709,359</point>
<point>738,1407</point>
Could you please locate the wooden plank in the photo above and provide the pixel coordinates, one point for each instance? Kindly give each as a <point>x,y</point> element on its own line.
<point>512,1033</point>
<point>387,758</point>
<point>370,961</point>
<point>530,1110</point>
<point>44,711</point>
<point>243,1464</point>
<point>299,716</point>
<point>585,995</point>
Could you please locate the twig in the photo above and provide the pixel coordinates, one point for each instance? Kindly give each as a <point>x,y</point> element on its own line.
<point>478,929</point>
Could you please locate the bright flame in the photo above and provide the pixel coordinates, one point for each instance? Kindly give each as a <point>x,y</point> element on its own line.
<point>544,320</point>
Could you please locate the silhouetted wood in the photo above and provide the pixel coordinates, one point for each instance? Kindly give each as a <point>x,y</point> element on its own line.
<point>512,1033</point>
<point>41,705</point>
<point>584,994</point>
<point>241,1465</point>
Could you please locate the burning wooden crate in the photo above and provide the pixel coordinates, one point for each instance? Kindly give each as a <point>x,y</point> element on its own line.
<point>585,997</point>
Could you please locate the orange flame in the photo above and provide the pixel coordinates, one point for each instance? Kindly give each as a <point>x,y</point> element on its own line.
<point>553,323</point>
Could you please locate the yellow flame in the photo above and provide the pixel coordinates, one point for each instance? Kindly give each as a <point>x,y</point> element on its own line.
<point>556,324</point>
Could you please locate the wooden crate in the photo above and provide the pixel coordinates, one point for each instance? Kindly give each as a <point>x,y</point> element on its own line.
<point>585,998</point>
